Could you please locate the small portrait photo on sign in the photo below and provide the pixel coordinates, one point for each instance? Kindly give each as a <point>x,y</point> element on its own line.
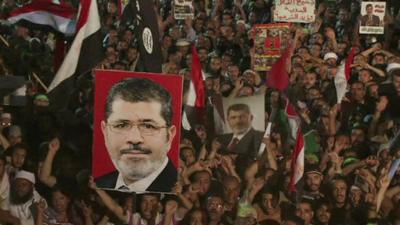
<point>372,17</point>
<point>136,131</point>
<point>243,125</point>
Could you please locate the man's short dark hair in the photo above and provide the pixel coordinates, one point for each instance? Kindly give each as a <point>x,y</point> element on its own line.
<point>239,107</point>
<point>368,5</point>
<point>141,90</point>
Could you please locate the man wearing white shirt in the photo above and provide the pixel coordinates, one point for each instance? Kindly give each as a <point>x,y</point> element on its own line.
<point>20,206</point>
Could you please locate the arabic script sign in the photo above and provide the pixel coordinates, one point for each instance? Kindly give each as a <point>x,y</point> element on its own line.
<point>298,11</point>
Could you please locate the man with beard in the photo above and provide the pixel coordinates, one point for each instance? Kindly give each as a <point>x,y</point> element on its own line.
<point>20,206</point>
<point>138,133</point>
<point>313,183</point>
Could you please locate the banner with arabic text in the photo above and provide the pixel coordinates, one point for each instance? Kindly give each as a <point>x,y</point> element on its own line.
<point>296,11</point>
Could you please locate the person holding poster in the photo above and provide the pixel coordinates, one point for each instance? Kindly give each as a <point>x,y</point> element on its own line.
<point>370,19</point>
<point>138,133</point>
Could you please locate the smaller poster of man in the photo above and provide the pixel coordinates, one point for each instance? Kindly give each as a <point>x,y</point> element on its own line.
<point>183,9</point>
<point>269,41</point>
<point>137,122</point>
<point>372,15</point>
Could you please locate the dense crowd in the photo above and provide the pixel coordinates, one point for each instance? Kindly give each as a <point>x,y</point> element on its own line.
<point>45,165</point>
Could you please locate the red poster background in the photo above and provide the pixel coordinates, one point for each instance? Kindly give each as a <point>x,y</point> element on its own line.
<point>101,163</point>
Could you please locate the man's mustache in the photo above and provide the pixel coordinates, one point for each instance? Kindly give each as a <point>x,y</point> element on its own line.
<point>135,147</point>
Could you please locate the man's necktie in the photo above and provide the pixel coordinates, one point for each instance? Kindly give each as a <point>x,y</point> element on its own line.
<point>233,144</point>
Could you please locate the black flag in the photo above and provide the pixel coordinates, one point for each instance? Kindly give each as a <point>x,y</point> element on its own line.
<point>141,14</point>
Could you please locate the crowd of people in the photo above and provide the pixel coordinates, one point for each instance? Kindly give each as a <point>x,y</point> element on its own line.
<point>45,165</point>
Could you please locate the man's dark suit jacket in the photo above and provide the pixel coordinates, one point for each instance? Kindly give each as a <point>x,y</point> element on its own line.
<point>246,149</point>
<point>165,181</point>
<point>248,145</point>
<point>375,21</point>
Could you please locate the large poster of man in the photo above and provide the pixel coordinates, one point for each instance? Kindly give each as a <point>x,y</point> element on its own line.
<point>269,40</point>
<point>136,131</point>
<point>244,122</point>
<point>372,15</point>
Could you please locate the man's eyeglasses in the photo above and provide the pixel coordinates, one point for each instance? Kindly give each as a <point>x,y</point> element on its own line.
<point>145,128</point>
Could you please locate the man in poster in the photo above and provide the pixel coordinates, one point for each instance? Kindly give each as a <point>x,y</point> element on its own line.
<point>244,139</point>
<point>370,19</point>
<point>138,133</point>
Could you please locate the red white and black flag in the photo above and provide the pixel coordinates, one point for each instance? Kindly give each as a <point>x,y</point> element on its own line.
<point>142,16</point>
<point>84,54</point>
<point>195,106</point>
<point>57,15</point>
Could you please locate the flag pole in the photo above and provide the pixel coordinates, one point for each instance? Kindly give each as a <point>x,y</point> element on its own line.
<point>40,82</point>
<point>4,41</point>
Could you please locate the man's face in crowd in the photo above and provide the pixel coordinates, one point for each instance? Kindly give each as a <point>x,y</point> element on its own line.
<point>364,76</point>
<point>357,91</point>
<point>135,153</point>
<point>355,195</point>
<point>21,191</point>
<point>132,54</point>
<point>339,191</point>
<point>188,156</point>
<point>203,179</point>
<point>315,50</point>
<point>112,8</point>
<point>234,72</point>
<point>378,59</point>
<point>18,158</point>
<point>215,208</point>
<point>231,191</point>
<point>149,206</point>
<point>309,80</point>
<point>323,214</point>
<point>269,203</point>
<point>305,212</point>
<point>313,181</point>
<point>239,121</point>
<point>202,55</point>
<point>215,64</point>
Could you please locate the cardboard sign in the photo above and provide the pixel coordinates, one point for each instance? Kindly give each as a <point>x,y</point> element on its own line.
<point>372,17</point>
<point>297,11</point>
<point>269,41</point>
<point>137,122</point>
<point>183,9</point>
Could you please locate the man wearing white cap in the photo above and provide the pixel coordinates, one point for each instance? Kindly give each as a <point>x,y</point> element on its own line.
<point>331,58</point>
<point>20,206</point>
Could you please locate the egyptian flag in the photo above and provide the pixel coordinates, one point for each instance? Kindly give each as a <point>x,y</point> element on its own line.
<point>85,53</point>
<point>278,77</point>
<point>141,15</point>
<point>196,104</point>
<point>121,6</point>
<point>59,16</point>
<point>297,166</point>
<point>343,75</point>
